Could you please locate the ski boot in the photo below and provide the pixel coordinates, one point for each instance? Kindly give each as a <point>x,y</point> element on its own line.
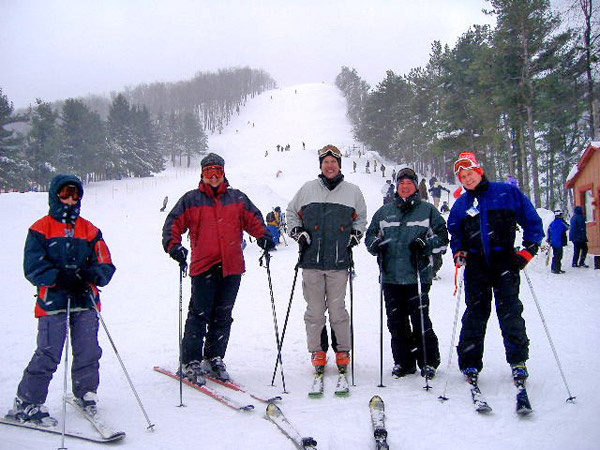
<point>319,360</point>
<point>471,374</point>
<point>216,367</point>
<point>32,412</point>
<point>88,403</point>
<point>428,372</point>
<point>398,371</point>
<point>194,372</point>
<point>342,359</point>
<point>519,372</point>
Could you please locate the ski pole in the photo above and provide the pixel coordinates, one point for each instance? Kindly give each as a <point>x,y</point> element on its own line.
<point>66,347</point>
<point>287,316</point>
<point>571,398</point>
<point>426,387</point>
<point>112,343</point>
<point>181,275</point>
<point>350,278</point>
<point>379,260</point>
<point>267,258</point>
<point>456,310</point>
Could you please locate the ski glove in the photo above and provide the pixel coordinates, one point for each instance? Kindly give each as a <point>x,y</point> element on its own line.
<point>523,256</point>
<point>355,237</point>
<point>460,258</point>
<point>71,280</point>
<point>417,245</point>
<point>301,236</point>
<point>179,253</point>
<point>266,243</point>
<point>377,247</point>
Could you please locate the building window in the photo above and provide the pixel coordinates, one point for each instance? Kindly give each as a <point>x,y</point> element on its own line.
<point>588,207</point>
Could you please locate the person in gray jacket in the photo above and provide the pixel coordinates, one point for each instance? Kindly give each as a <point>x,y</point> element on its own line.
<point>327,217</point>
<point>404,235</point>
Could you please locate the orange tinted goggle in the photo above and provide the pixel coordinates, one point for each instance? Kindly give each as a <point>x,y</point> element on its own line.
<point>464,164</point>
<point>330,150</point>
<point>69,191</point>
<point>213,171</point>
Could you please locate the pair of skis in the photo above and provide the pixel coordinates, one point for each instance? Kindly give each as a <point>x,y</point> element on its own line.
<point>377,411</point>
<point>522,406</point>
<point>217,395</point>
<point>342,387</point>
<point>104,432</point>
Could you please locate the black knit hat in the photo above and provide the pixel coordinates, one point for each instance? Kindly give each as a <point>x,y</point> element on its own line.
<point>408,173</point>
<point>212,159</point>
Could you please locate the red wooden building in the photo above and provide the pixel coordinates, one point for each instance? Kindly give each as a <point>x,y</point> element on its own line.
<point>585,185</point>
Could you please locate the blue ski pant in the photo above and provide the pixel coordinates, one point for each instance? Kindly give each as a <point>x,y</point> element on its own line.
<point>208,324</point>
<point>86,351</point>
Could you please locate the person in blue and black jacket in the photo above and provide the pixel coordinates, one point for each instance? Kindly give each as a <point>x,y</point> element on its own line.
<point>483,225</point>
<point>66,258</point>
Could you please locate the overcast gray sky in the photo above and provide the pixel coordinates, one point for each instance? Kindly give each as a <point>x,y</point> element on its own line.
<point>55,49</point>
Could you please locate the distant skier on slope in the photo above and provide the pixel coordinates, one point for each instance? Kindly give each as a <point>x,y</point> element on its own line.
<point>327,217</point>
<point>66,259</point>
<point>216,215</point>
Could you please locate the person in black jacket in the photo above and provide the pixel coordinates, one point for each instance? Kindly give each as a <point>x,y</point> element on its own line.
<point>66,258</point>
<point>578,235</point>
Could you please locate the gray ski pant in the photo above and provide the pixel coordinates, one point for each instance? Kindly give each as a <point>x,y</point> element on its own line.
<point>325,290</point>
<point>51,336</point>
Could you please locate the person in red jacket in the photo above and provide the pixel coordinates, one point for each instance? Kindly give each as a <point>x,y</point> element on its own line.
<point>216,217</point>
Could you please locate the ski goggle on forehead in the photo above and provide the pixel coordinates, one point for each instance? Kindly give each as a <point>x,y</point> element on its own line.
<point>213,171</point>
<point>69,190</point>
<point>464,164</point>
<point>330,150</point>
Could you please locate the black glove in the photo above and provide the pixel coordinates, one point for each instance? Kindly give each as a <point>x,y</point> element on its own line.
<point>523,256</point>
<point>355,237</point>
<point>266,243</point>
<point>377,247</point>
<point>88,275</point>
<point>179,253</point>
<point>418,245</point>
<point>301,236</point>
<point>71,280</point>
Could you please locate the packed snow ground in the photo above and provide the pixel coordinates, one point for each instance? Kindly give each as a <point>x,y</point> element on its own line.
<point>140,308</point>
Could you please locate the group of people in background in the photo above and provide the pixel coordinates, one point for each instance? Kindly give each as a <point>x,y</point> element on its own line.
<point>556,238</point>
<point>67,260</point>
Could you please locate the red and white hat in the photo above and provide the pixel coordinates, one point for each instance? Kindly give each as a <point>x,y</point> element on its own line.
<point>467,160</point>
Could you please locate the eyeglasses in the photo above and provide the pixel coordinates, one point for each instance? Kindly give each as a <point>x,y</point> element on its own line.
<point>406,172</point>
<point>67,191</point>
<point>210,171</point>
<point>464,164</point>
<point>330,150</point>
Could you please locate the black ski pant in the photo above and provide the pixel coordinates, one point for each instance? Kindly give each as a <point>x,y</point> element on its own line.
<point>209,319</point>
<point>580,250</point>
<point>404,315</point>
<point>480,283</point>
<point>557,255</point>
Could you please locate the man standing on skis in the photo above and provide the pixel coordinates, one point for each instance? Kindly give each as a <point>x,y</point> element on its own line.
<point>483,223</point>
<point>327,217</point>
<point>66,259</point>
<point>216,216</point>
<point>405,234</point>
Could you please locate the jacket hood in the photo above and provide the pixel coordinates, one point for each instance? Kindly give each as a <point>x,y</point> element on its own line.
<point>58,210</point>
<point>578,210</point>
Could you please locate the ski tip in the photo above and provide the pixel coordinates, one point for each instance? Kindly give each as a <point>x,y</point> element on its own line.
<point>277,398</point>
<point>375,399</point>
